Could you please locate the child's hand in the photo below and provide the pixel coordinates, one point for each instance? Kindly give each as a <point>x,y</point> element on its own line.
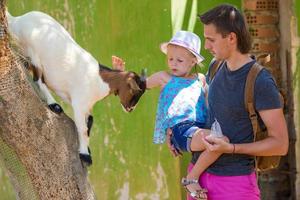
<point>171,147</point>
<point>118,63</point>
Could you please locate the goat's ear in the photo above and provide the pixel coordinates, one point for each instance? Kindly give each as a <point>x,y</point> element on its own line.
<point>133,85</point>
<point>263,59</point>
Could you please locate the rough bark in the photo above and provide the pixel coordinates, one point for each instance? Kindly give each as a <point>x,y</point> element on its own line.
<point>42,143</point>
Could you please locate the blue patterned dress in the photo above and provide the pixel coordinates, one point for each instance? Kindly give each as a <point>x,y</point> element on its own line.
<point>180,100</point>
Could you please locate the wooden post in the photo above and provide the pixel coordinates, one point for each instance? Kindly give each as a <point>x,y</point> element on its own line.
<point>38,148</point>
<point>265,25</point>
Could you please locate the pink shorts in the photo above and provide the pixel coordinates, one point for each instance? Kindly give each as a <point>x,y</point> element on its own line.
<point>229,187</point>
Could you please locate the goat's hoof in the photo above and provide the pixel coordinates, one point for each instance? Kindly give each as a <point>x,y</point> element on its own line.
<point>87,159</point>
<point>56,108</point>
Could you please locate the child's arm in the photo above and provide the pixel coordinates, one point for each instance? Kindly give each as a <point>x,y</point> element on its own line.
<point>158,79</point>
<point>118,63</point>
<point>155,80</point>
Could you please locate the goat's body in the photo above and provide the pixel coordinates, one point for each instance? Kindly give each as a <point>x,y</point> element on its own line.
<point>70,71</point>
<point>54,52</point>
<point>66,68</point>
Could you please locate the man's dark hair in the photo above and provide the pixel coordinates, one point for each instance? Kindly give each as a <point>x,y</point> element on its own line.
<point>227,19</point>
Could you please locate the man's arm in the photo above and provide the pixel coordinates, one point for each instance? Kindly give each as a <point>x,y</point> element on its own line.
<point>275,144</point>
<point>277,141</point>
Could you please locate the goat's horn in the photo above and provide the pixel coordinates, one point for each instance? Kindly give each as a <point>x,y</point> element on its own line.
<point>144,74</point>
<point>263,58</point>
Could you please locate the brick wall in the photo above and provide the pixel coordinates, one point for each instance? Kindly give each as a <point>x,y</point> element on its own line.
<point>262,17</point>
<point>271,23</point>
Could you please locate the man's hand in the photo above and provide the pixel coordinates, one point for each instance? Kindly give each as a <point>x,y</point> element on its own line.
<point>171,147</point>
<point>118,63</point>
<point>218,144</point>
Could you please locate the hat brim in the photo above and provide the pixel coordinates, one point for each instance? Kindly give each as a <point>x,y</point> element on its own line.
<point>164,49</point>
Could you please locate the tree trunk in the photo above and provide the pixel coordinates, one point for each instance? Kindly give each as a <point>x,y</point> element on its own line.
<point>271,34</point>
<point>38,148</point>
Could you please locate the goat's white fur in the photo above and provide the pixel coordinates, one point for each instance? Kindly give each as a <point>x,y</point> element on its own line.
<point>67,68</point>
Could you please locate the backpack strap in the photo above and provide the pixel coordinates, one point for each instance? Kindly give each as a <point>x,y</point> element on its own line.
<point>249,102</point>
<point>249,96</point>
<point>214,68</point>
<point>249,90</point>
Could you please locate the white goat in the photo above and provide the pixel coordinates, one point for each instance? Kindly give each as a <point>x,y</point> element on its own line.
<point>60,64</point>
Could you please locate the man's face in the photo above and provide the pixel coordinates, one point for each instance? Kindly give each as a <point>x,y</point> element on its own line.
<point>219,46</point>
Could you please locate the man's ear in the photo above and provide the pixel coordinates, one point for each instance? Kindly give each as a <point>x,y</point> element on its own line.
<point>232,37</point>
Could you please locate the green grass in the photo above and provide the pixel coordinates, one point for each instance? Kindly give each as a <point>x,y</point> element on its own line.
<point>297,12</point>
<point>296,85</point>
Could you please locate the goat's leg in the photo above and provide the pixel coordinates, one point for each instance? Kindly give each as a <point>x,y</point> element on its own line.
<point>80,121</point>
<point>90,121</point>
<point>34,71</point>
<point>39,79</point>
<point>55,107</point>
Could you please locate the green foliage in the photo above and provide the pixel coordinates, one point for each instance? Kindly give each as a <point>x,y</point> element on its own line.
<point>297,12</point>
<point>296,82</point>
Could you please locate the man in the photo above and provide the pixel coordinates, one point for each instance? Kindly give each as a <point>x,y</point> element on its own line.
<point>233,176</point>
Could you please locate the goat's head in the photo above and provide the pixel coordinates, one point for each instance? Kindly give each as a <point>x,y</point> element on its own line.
<point>131,90</point>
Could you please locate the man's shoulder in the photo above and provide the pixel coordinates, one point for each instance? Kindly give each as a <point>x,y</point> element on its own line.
<point>266,92</point>
<point>264,76</point>
<point>213,68</point>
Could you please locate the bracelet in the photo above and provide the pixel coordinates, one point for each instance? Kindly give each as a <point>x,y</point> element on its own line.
<point>233,151</point>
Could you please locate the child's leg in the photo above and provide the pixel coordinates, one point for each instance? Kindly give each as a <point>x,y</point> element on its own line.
<point>196,141</point>
<point>204,161</point>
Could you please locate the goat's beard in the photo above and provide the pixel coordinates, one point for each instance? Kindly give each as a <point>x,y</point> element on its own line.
<point>128,110</point>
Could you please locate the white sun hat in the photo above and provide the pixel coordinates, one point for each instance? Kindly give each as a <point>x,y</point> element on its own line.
<point>185,39</point>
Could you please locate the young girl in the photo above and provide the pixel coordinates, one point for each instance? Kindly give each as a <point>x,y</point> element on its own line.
<point>182,110</point>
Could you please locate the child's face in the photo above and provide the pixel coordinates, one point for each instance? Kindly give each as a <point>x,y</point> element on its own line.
<point>180,60</point>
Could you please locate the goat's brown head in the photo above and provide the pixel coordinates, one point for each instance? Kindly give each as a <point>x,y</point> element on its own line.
<point>131,90</point>
<point>129,86</point>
